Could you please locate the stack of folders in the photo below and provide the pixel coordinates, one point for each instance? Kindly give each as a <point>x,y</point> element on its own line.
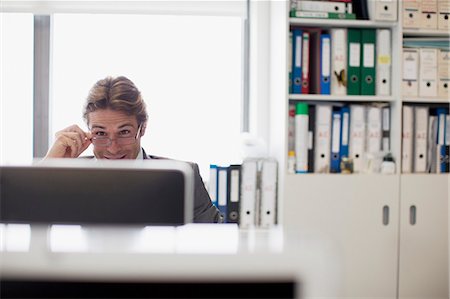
<point>340,61</point>
<point>426,14</point>
<point>379,10</point>
<point>426,70</point>
<point>425,139</point>
<point>246,194</point>
<point>336,132</point>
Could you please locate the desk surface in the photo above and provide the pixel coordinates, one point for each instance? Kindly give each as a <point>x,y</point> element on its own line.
<point>195,252</point>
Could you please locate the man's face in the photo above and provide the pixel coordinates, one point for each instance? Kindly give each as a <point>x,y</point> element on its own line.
<point>121,129</point>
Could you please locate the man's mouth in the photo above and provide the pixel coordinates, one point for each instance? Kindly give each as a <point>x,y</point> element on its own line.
<point>115,157</point>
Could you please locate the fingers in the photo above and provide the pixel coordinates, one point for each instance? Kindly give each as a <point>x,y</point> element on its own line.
<point>70,143</point>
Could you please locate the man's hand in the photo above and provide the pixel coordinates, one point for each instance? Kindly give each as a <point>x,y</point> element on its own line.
<point>70,143</point>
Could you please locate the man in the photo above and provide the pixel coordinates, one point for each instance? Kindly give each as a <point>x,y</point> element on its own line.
<point>117,119</point>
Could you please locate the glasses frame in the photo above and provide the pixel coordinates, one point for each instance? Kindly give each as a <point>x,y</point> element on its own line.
<point>138,134</point>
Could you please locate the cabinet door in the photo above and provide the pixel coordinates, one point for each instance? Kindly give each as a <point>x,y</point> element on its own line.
<point>424,236</point>
<point>349,211</point>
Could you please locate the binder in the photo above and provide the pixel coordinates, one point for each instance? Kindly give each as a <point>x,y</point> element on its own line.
<point>311,136</point>
<point>383,10</point>
<point>411,13</point>
<point>338,61</point>
<point>447,144</point>
<point>325,63</point>
<point>383,62</point>
<point>345,131</point>
<point>337,7</point>
<point>374,129</point>
<point>440,148</point>
<point>222,191</point>
<point>428,14</point>
<point>291,128</point>
<point>420,138</point>
<point>335,162</point>
<point>315,61</point>
<point>360,8</point>
<point>444,74</point>
<point>386,130</point>
<point>290,56</point>
<point>410,82</point>
<point>212,184</point>
<point>305,62</point>
<point>407,139</point>
<point>428,72</point>
<point>249,185</point>
<point>431,144</point>
<point>233,194</point>
<point>357,136</point>
<point>301,137</point>
<point>268,193</point>
<point>368,53</point>
<point>323,138</point>
<point>297,60</point>
<point>353,61</point>
<point>443,15</point>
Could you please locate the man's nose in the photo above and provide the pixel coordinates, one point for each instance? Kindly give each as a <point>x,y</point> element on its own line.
<point>114,147</point>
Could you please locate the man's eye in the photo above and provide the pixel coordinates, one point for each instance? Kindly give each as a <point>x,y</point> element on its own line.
<point>100,133</point>
<point>125,132</point>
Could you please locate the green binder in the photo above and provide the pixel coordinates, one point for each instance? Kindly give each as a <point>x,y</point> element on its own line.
<point>368,66</point>
<point>353,61</point>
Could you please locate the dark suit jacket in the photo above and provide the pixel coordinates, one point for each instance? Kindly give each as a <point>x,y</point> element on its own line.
<point>204,210</point>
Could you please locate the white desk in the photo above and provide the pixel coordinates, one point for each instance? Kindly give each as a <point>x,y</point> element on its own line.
<point>189,254</point>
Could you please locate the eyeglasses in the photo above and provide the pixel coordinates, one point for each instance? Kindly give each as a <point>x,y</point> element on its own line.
<point>125,139</point>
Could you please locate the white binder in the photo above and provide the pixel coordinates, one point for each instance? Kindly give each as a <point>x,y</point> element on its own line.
<point>383,71</point>
<point>410,84</point>
<point>428,14</point>
<point>338,61</point>
<point>443,15</point>
<point>383,10</point>
<point>323,139</point>
<point>428,86</point>
<point>357,136</point>
<point>212,185</point>
<point>420,138</point>
<point>268,209</point>
<point>407,139</point>
<point>374,129</point>
<point>411,13</point>
<point>249,187</point>
<point>444,74</point>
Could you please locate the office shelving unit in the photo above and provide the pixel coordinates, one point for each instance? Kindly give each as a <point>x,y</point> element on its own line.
<point>364,214</point>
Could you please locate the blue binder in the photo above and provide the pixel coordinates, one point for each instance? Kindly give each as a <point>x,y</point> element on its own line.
<point>297,41</point>
<point>441,119</point>
<point>345,131</point>
<point>335,158</point>
<point>325,63</point>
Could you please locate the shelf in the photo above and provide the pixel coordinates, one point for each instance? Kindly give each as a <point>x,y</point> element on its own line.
<point>340,23</point>
<point>425,32</point>
<point>425,100</point>
<point>333,98</point>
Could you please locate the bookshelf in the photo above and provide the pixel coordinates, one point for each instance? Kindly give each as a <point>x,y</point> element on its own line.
<point>365,214</point>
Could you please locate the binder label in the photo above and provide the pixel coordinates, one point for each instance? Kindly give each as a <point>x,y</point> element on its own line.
<point>369,55</point>
<point>234,196</point>
<point>326,63</point>
<point>298,51</point>
<point>355,54</point>
<point>410,66</point>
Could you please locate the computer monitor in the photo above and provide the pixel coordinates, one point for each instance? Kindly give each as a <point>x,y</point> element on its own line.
<point>82,191</point>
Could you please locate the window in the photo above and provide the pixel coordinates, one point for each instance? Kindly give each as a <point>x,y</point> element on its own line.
<point>16,87</point>
<point>187,58</point>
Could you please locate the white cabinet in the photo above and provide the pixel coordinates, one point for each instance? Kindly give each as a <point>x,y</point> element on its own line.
<point>359,213</point>
<point>424,251</point>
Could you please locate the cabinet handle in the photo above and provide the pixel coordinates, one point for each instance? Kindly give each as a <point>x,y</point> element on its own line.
<point>412,215</point>
<point>385,215</point>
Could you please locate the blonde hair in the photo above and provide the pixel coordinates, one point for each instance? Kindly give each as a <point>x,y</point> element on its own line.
<point>118,94</point>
